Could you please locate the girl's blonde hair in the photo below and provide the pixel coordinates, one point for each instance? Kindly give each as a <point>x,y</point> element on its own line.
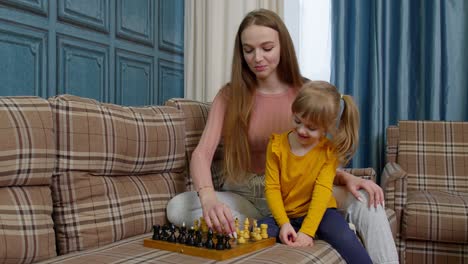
<point>319,103</point>
<point>239,92</point>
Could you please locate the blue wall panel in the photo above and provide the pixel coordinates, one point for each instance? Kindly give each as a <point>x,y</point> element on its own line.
<point>119,51</point>
<point>23,60</point>
<point>89,13</point>
<point>135,20</point>
<point>134,79</point>
<point>171,80</point>
<point>83,68</point>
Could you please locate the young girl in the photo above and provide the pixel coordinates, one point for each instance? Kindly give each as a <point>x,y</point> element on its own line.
<point>300,168</point>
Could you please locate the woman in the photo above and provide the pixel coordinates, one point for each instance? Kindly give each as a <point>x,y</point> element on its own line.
<point>265,79</point>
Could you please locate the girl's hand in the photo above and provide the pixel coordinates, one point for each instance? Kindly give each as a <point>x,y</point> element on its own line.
<point>217,215</point>
<point>287,234</point>
<point>303,240</point>
<point>354,184</point>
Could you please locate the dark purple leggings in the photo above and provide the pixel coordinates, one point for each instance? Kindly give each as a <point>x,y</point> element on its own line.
<point>334,230</point>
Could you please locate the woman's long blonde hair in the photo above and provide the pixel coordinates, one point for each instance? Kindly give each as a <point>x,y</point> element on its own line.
<point>319,103</point>
<point>240,90</point>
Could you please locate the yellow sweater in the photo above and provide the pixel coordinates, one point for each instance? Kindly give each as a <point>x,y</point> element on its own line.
<point>297,186</point>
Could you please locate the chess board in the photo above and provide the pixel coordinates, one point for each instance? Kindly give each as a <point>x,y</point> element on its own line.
<point>235,251</point>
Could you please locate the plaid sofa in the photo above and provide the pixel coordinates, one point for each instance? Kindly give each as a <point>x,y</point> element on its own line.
<point>426,183</point>
<point>84,182</point>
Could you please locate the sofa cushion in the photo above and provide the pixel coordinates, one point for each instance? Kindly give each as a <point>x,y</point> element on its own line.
<point>27,150</point>
<point>27,158</point>
<point>117,168</point>
<point>131,250</point>
<point>434,154</point>
<point>436,216</point>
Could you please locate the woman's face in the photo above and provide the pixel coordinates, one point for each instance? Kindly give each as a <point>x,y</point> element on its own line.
<point>261,50</point>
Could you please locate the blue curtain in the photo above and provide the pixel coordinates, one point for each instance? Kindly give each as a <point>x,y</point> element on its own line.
<point>400,59</point>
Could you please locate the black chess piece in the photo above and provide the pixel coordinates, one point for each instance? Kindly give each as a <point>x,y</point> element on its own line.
<point>226,242</point>
<point>164,233</point>
<point>198,238</point>
<point>182,238</point>
<point>171,237</point>
<point>220,242</point>
<point>156,232</point>
<point>190,239</point>
<point>209,240</point>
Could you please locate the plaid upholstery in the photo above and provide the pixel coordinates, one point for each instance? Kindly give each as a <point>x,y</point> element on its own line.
<point>27,155</point>
<point>132,250</point>
<point>436,216</point>
<point>425,182</point>
<point>196,114</point>
<point>117,167</point>
<point>434,154</point>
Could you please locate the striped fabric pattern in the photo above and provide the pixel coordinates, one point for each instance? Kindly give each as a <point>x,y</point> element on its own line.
<point>196,114</point>
<point>131,250</point>
<point>117,168</point>
<point>434,154</point>
<point>27,154</point>
<point>440,216</point>
<point>425,182</point>
<point>27,150</point>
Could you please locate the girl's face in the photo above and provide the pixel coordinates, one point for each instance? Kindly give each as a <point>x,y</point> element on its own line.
<point>307,133</point>
<point>261,50</point>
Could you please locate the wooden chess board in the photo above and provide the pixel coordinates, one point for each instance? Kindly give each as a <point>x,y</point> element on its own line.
<point>235,251</point>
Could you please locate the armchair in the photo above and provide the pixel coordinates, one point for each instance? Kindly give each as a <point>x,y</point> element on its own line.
<point>426,182</point>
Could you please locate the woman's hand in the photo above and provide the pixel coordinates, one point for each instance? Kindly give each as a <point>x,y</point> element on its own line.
<point>217,215</point>
<point>354,184</point>
<point>303,240</point>
<point>287,234</point>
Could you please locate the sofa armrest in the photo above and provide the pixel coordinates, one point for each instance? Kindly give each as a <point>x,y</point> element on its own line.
<point>394,183</point>
<point>365,173</point>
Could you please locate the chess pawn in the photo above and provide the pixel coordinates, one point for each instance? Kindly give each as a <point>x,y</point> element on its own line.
<point>220,242</point>
<point>171,237</point>
<point>241,240</point>
<point>257,236</point>
<point>198,238</point>
<point>226,242</point>
<point>156,232</point>
<point>209,239</point>
<point>264,230</point>
<point>182,238</point>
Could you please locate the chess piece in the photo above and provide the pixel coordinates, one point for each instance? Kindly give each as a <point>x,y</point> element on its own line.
<point>191,237</point>
<point>241,240</point>
<point>226,242</point>
<point>203,225</point>
<point>220,242</point>
<point>236,223</point>
<point>156,232</point>
<point>264,230</point>
<point>198,238</point>
<point>196,225</point>
<point>182,238</point>
<point>165,232</point>
<point>209,240</point>
<point>257,236</point>
<point>246,229</point>
<point>171,237</point>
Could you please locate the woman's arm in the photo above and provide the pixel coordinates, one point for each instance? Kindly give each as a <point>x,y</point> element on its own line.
<point>354,184</point>
<point>215,213</point>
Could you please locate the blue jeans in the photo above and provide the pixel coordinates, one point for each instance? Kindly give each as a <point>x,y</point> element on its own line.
<point>334,230</point>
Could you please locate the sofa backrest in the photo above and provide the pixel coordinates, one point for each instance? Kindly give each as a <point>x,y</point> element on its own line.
<point>117,167</point>
<point>434,154</point>
<point>27,159</point>
<point>196,114</point>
